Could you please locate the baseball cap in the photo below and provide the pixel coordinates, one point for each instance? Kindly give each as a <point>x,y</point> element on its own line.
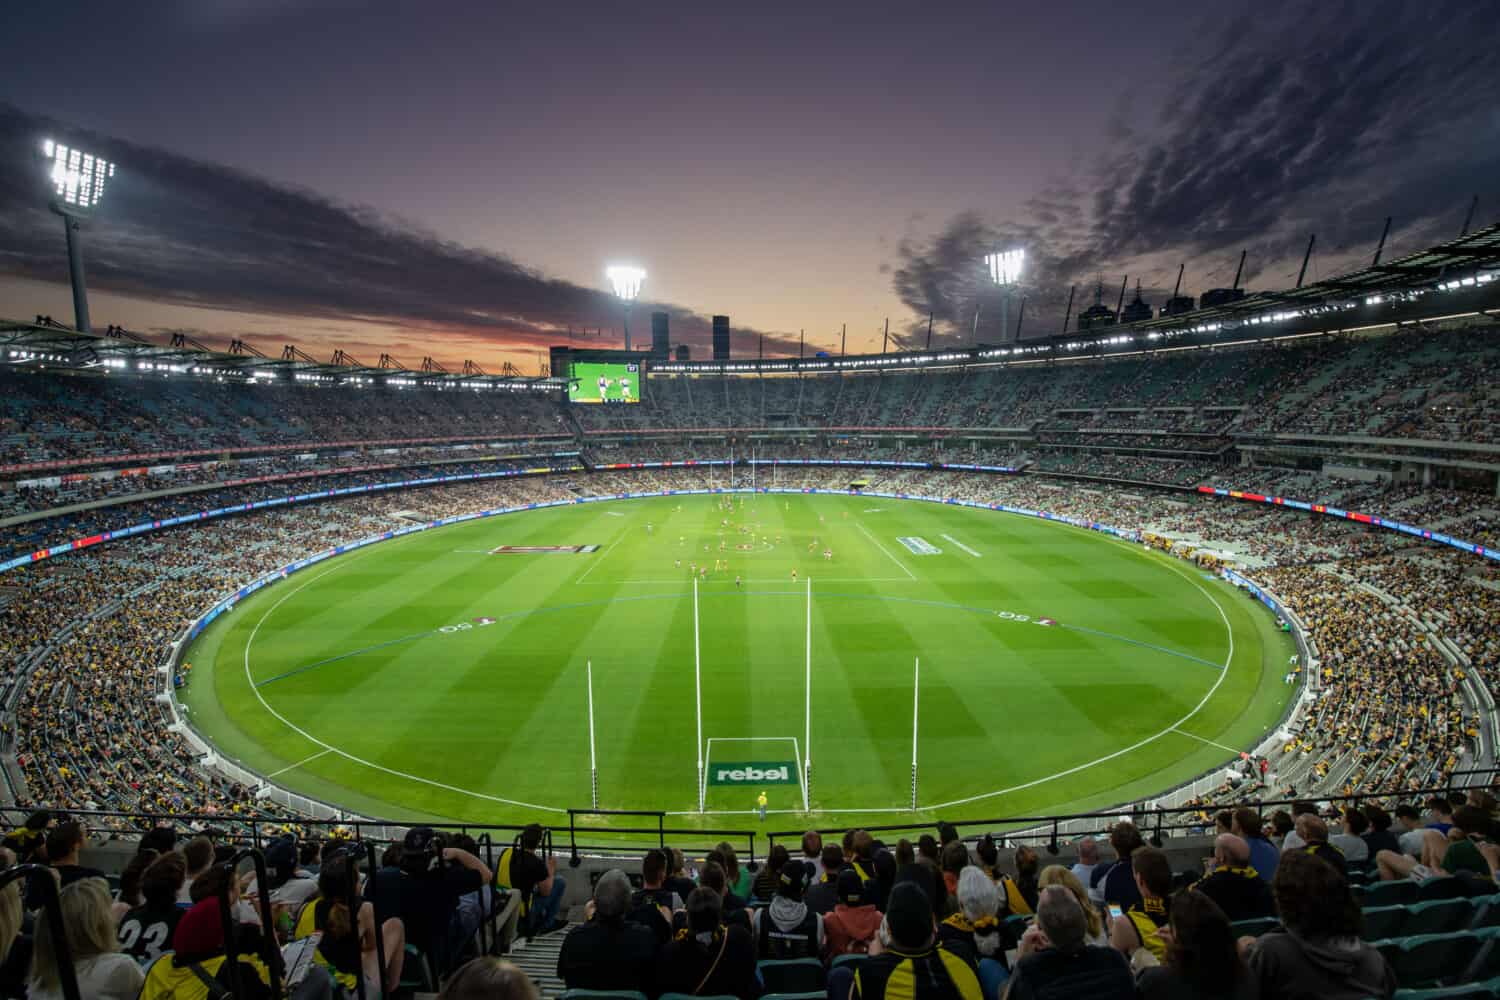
<point>850,889</point>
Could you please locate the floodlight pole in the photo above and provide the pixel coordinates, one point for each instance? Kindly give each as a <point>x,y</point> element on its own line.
<point>73,228</point>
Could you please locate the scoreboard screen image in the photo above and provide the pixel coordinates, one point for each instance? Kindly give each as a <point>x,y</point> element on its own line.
<point>604,383</point>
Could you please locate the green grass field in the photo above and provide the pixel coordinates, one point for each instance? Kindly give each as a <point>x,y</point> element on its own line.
<point>427,677</point>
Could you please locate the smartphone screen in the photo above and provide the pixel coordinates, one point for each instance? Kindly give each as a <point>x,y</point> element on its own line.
<point>1115,913</point>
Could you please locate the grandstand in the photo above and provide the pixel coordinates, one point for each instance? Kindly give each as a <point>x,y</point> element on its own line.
<point>1333,452</point>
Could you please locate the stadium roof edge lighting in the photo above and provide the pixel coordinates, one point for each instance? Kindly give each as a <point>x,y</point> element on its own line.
<point>626,280</point>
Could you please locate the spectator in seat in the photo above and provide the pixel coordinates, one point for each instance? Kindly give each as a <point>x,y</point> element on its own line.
<point>1088,859</point>
<point>1116,882</point>
<point>878,889</point>
<point>1028,865</point>
<point>103,973</point>
<point>678,880</point>
<point>1233,885</point>
<point>788,927</point>
<point>737,878</point>
<point>610,951</point>
<point>28,841</point>
<point>975,930</point>
<point>763,886</point>
<point>1452,853</point>
<point>1202,962</point>
<point>1350,838</point>
<point>822,894</point>
<point>1379,838</point>
<point>129,895</point>
<point>861,856</point>
<point>1247,825</point>
<point>708,957</point>
<point>1282,827</point>
<point>1313,834</point>
<point>812,852</point>
<point>1058,875</point>
<point>1320,953</point>
<point>15,948</point>
<point>1294,840</point>
<point>908,961</point>
<point>433,878</point>
<point>540,886</point>
<point>348,942</point>
<point>1408,829</point>
<point>732,907</point>
<point>1140,926</point>
<point>146,931</point>
<point>653,904</point>
<point>64,844</point>
<point>1055,961</point>
<point>199,855</point>
<point>955,859</point>
<point>198,950</point>
<point>489,978</point>
<point>854,923</point>
<point>291,885</point>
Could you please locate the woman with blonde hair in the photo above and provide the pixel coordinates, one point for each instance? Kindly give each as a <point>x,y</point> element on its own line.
<point>1059,875</point>
<point>89,926</point>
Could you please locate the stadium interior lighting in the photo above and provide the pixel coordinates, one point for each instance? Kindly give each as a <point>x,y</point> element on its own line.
<point>626,280</point>
<point>77,180</point>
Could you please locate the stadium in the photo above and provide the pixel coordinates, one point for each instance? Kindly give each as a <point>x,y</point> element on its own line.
<point>1150,655</point>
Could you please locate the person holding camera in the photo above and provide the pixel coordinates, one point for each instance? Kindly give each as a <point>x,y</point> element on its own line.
<point>434,877</point>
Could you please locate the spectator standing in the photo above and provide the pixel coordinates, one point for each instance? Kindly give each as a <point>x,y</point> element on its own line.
<point>1088,859</point>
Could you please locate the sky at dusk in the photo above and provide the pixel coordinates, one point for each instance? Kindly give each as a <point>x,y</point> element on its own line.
<point>451,179</point>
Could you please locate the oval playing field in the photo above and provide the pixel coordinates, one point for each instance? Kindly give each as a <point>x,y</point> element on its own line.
<point>445,674</point>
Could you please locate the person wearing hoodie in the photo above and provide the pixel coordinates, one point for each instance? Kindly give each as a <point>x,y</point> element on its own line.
<point>1320,955</point>
<point>975,929</point>
<point>853,924</point>
<point>787,928</point>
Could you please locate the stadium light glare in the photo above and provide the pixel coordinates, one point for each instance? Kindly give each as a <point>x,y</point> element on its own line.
<point>1005,267</point>
<point>626,280</point>
<point>77,180</point>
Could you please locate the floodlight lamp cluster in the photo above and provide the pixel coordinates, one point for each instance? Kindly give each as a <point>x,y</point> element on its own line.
<point>78,178</point>
<point>626,280</point>
<point>1005,266</point>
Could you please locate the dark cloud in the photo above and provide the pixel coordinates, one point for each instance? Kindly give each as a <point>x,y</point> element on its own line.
<point>1325,119</point>
<point>191,233</point>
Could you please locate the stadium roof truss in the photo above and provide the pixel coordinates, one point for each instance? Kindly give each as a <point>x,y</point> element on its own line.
<point>48,345</point>
<point>1455,278</point>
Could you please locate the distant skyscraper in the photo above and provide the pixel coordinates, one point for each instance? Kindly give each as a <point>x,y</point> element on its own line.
<point>721,338</point>
<point>684,352</point>
<point>661,343</point>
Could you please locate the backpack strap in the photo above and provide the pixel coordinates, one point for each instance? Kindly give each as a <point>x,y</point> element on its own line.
<point>216,989</point>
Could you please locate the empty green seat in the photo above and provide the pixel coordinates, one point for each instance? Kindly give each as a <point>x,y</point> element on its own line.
<point>1423,960</point>
<point>1387,893</point>
<point>791,975</point>
<point>1438,915</point>
<point>1382,922</point>
<point>1254,927</point>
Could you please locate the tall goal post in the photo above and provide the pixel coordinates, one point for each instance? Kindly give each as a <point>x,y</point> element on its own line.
<point>593,757</point>
<point>807,710</point>
<point>916,687</point>
<point>698,694</point>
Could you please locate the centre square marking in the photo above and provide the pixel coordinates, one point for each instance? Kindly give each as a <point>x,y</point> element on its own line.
<point>754,772</point>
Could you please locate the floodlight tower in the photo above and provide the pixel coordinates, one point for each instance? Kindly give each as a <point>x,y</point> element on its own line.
<point>1005,270</point>
<point>77,180</point>
<point>626,280</point>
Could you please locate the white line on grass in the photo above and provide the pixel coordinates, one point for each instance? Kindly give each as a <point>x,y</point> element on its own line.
<point>1223,673</point>
<point>1200,739</point>
<point>599,560</point>
<point>961,545</point>
<point>779,579</point>
<point>902,566</point>
<point>333,749</point>
<point>304,760</point>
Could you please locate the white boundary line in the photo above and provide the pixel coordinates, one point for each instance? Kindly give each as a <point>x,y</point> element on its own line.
<point>304,760</point>
<point>1202,740</point>
<point>1223,673</point>
<point>961,545</point>
<point>779,579</point>
<point>888,810</point>
<point>349,756</point>
<point>899,564</point>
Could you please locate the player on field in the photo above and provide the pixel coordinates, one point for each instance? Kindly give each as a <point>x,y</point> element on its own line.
<point>736,581</point>
<point>828,554</point>
<point>603,386</point>
<point>625,387</point>
<point>794,576</point>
